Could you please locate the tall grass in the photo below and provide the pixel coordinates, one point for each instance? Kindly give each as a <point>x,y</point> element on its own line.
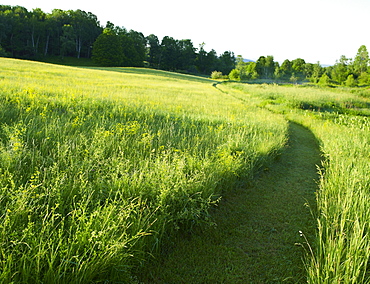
<point>343,247</point>
<point>340,121</point>
<point>98,166</point>
<point>316,99</point>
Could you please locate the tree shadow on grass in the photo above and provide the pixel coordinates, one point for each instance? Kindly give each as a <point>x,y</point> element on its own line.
<point>255,239</point>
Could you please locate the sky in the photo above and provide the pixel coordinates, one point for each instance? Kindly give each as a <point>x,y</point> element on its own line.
<point>315,30</point>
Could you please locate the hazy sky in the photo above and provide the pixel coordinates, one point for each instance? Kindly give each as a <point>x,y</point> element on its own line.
<point>315,30</point>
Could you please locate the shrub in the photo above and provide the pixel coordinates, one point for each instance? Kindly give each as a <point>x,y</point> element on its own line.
<point>364,79</point>
<point>217,75</point>
<point>350,82</point>
<point>324,80</point>
<point>234,75</point>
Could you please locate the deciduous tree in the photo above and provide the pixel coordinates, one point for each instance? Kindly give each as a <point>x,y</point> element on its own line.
<point>135,48</point>
<point>187,55</point>
<point>361,61</point>
<point>154,51</point>
<point>107,49</point>
<point>317,72</point>
<point>286,69</point>
<point>226,62</point>
<point>86,30</point>
<point>266,67</point>
<point>170,53</point>
<point>298,68</point>
<point>341,70</point>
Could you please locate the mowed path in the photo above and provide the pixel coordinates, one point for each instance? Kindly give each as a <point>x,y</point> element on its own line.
<point>258,224</point>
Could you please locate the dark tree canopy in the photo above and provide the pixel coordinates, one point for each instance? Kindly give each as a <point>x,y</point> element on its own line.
<point>26,34</point>
<point>38,35</point>
<point>108,49</point>
<point>35,34</point>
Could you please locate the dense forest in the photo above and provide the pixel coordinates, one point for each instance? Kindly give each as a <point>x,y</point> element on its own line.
<point>39,35</point>
<point>36,35</point>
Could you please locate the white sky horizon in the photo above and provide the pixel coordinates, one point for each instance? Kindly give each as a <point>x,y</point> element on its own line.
<point>315,30</point>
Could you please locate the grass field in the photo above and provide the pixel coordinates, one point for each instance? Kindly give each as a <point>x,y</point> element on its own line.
<point>257,226</point>
<point>339,118</point>
<point>98,167</point>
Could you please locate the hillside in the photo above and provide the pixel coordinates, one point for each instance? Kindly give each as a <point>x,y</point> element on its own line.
<point>107,171</point>
<point>99,167</point>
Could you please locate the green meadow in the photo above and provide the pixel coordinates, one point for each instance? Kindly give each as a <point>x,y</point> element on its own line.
<point>100,168</point>
<point>339,119</point>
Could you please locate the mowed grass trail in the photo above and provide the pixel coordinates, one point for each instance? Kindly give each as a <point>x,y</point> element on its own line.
<point>339,118</point>
<point>257,233</point>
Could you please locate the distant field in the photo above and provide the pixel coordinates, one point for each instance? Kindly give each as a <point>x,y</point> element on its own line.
<point>97,166</point>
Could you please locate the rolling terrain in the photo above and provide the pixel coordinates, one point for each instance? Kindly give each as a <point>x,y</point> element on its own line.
<point>126,175</point>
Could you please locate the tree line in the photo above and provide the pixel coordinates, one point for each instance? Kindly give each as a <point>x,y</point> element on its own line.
<point>346,71</point>
<point>25,34</point>
<point>36,35</point>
